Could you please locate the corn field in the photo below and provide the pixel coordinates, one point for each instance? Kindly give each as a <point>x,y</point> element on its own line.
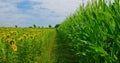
<point>91,34</point>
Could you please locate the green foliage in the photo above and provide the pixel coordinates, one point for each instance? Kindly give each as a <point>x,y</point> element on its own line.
<point>34,26</point>
<point>57,25</point>
<point>16,26</point>
<point>92,33</point>
<point>30,47</point>
<point>50,26</point>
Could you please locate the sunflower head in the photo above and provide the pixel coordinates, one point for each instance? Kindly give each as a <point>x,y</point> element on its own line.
<point>20,39</point>
<point>14,47</point>
<point>7,35</point>
<point>11,41</point>
<point>24,35</point>
<point>14,33</point>
<point>32,36</point>
<point>4,35</point>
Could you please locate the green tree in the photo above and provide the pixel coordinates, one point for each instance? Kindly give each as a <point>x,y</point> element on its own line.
<point>30,26</point>
<point>16,26</point>
<point>34,26</point>
<point>50,26</point>
<point>38,26</point>
<point>57,25</point>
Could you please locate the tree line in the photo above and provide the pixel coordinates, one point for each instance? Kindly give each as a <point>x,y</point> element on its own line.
<point>35,26</point>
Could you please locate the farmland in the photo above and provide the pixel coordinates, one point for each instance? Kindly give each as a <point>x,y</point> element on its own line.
<point>90,35</point>
<point>25,45</point>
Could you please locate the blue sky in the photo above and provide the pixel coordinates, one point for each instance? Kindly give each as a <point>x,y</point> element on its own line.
<point>25,13</point>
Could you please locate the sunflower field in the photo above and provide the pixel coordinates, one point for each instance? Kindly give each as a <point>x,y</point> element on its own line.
<point>26,45</point>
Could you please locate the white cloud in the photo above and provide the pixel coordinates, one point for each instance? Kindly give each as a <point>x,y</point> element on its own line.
<point>59,6</point>
<point>12,1</point>
<point>15,1</point>
<point>9,19</point>
<point>45,11</point>
<point>7,7</point>
<point>10,14</point>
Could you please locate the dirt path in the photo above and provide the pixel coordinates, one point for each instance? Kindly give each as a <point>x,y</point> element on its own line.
<point>52,53</point>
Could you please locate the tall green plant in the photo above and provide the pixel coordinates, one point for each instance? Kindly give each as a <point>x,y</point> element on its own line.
<point>92,33</point>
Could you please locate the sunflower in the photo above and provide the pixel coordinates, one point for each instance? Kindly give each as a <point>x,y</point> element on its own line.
<point>20,39</point>
<point>11,41</point>
<point>14,47</point>
<point>24,35</point>
<point>14,33</point>
<point>4,35</point>
<point>8,35</point>
<point>32,36</point>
